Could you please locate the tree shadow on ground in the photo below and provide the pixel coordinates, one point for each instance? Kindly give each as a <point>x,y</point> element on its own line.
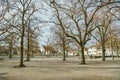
<point>73,65</point>
<point>2,76</point>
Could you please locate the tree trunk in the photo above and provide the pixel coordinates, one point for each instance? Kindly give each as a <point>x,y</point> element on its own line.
<point>32,53</point>
<point>28,52</point>
<point>21,55</point>
<point>103,52</point>
<point>82,55</point>
<point>10,49</point>
<point>117,51</point>
<point>28,56</point>
<point>64,55</point>
<point>22,41</point>
<point>112,51</point>
<point>10,54</point>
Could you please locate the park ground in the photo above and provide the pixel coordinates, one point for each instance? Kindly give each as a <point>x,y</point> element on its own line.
<point>53,68</point>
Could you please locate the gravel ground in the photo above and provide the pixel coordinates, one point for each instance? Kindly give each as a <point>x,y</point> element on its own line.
<point>55,69</point>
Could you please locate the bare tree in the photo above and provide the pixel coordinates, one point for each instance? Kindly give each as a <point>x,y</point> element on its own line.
<point>114,41</point>
<point>11,40</point>
<point>25,10</point>
<point>25,4</point>
<point>61,41</point>
<point>31,29</point>
<point>63,38</point>
<point>8,33</point>
<point>103,24</point>
<point>78,13</point>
